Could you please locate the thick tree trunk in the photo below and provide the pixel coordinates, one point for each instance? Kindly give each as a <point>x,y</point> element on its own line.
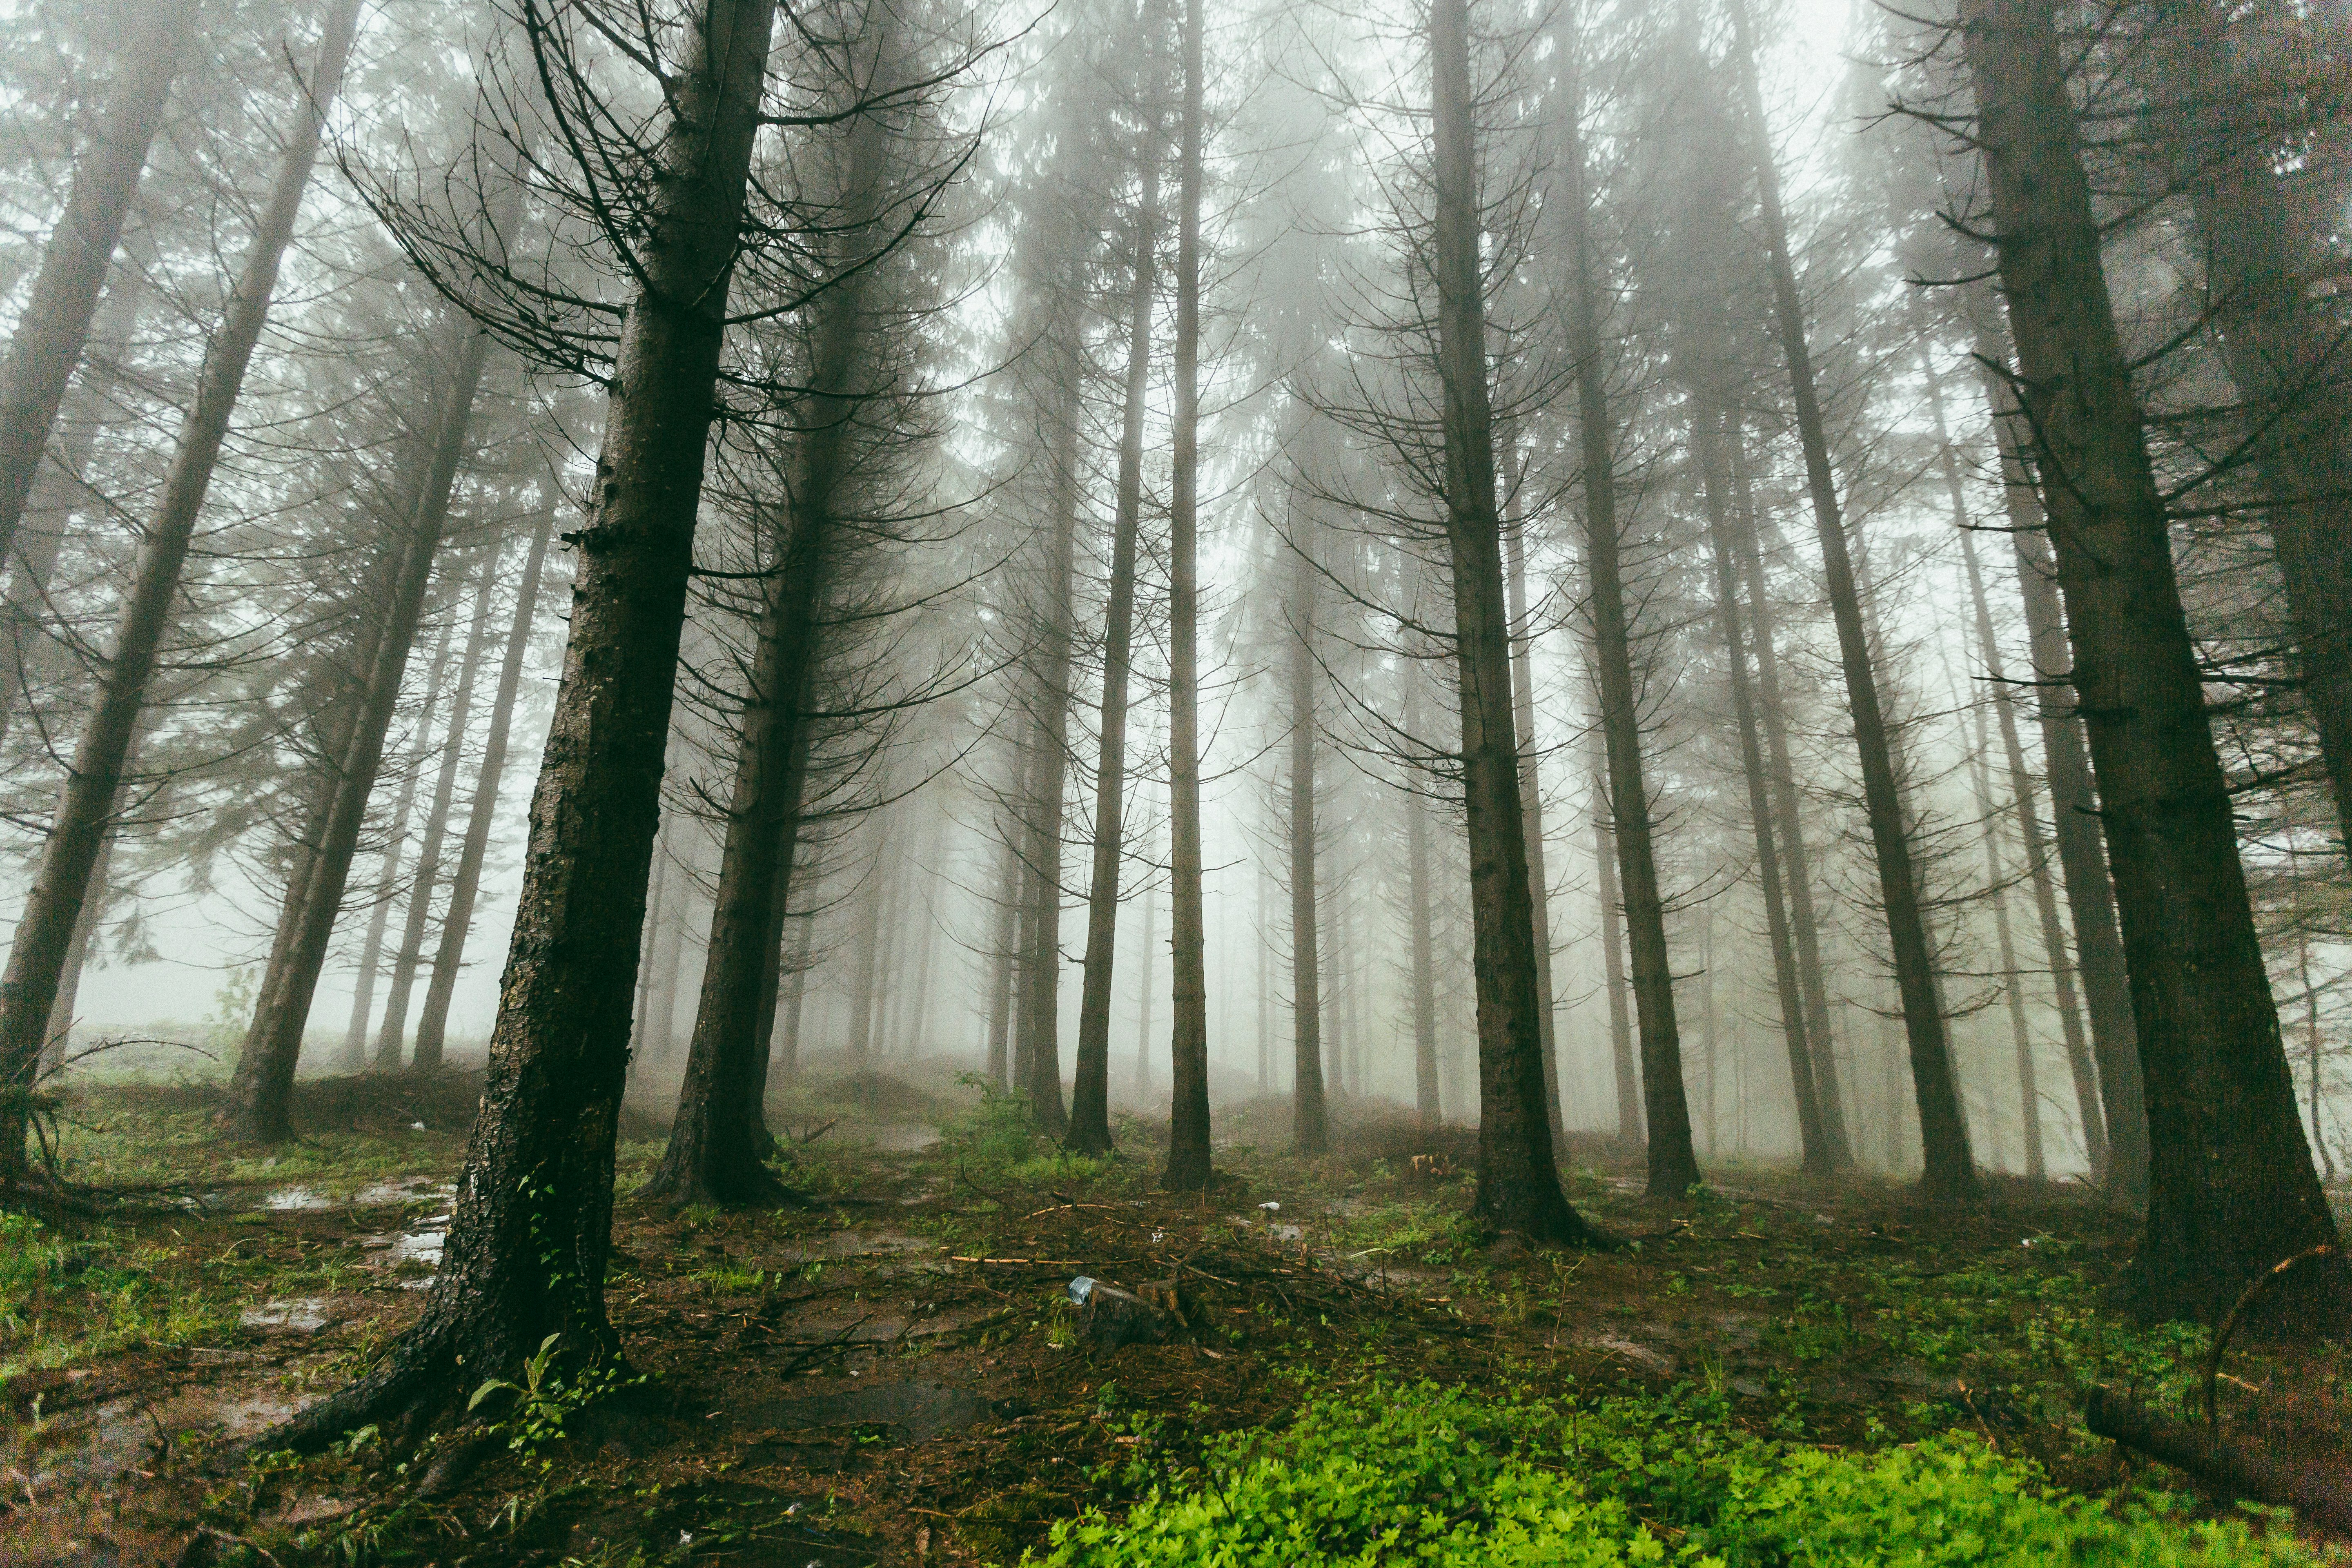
<point>481,813</point>
<point>1623,1073</point>
<point>1310,1116</point>
<point>1673,1164</point>
<point>1523,709</point>
<point>1090,1091</point>
<point>1427,1099</point>
<point>55,324</point>
<point>1951,1169</point>
<point>394,1034</point>
<point>1706,440</point>
<point>1519,1181</point>
<point>1188,1118</point>
<point>44,937</point>
<point>2073,802</point>
<point>395,843</point>
<point>1787,815</point>
<point>261,1088</point>
<point>2232,1190</point>
<point>538,1171</point>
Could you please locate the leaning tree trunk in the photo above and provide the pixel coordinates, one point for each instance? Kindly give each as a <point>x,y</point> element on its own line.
<point>44,939</point>
<point>2073,802</point>
<point>1788,815</point>
<point>1188,1119</point>
<point>1310,1116</point>
<point>261,1090</point>
<point>1519,1181</point>
<point>394,1035</point>
<point>1706,440</point>
<point>532,1228</point>
<point>1090,1089</point>
<point>2230,1186</point>
<point>55,324</point>
<point>1673,1164</point>
<point>1951,1169</point>
<point>354,1052</point>
<point>433,1025</point>
<point>1523,720</point>
<point>718,1139</point>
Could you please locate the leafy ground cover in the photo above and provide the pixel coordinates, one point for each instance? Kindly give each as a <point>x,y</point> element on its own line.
<point>1771,1370</point>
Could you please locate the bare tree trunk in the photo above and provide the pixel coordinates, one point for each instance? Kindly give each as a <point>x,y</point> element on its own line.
<point>1951,1169</point>
<point>394,1033</point>
<point>261,1088</point>
<point>869,943</point>
<point>1706,439</point>
<point>1804,926</point>
<point>2037,1165</point>
<point>55,324</point>
<point>2231,1189</point>
<point>1143,1001</point>
<point>1523,707</point>
<point>1310,1116</point>
<point>1007,931</point>
<point>44,939</point>
<point>1623,1073</point>
<point>2073,802</point>
<point>1427,1099</point>
<point>481,814</point>
<point>387,884</point>
<point>539,1174</point>
<point>789,1028</point>
<point>1673,1166</point>
<point>670,956</point>
<point>1188,1124</point>
<point>61,1017</point>
<point>641,1033</point>
<point>1519,1186</point>
<point>1264,935</point>
<point>1090,1092</point>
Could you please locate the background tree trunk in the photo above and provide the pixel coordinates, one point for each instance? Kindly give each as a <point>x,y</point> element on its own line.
<point>1531,812</point>
<point>1310,1116</point>
<point>387,883</point>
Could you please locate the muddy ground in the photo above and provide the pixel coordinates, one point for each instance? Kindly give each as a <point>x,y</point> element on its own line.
<point>895,1373</point>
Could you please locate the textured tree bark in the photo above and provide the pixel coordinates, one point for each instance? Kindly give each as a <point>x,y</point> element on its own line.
<point>1673,1164</point>
<point>1188,1119</point>
<point>531,1229</point>
<point>2284,348</point>
<point>55,324</point>
<point>2073,802</point>
<point>1310,1131</point>
<point>433,1025</point>
<point>261,1088</point>
<point>1804,926</point>
<point>1519,1183</point>
<point>718,1139</point>
<point>394,1034</point>
<point>1706,440</point>
<point>1951,1169</point>
<point>2023,806</point>
<point>2232,1190</point>
<point>36,958</point>
<point>395,843</point>
<point>1523,710</point>
<point>1427,1099</point>
<point>1090,1090</point>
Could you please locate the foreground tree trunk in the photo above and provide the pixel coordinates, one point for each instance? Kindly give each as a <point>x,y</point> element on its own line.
<point>1188,1118</point>
<point>532,1228</point>
<point>394,1035</point>
<point>1519,1181</point>
<point>433,1025</point>
<point>1706,439</point>
<point>1951,1169</point>
<point>1310,1116</point>
<point>2232,1190</point>
<point>1090,1091</point>
<point>55,324</point>
<point>44,939</point>
<point>1673,1164</point>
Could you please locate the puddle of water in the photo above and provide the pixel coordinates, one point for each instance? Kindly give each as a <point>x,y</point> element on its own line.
<point>290,1200</point>
<point>305,1316</point>
<point>914,1412</point>
<point>121,1434</point>
<point>411,1190</point>
<point>905,1140</point>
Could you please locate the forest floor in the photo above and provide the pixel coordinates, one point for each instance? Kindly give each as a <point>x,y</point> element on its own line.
<point>894,1375</point>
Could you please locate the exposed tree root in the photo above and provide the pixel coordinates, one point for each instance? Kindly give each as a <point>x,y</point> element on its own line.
<point>741,1185</point>
<point>2318,1489</point>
